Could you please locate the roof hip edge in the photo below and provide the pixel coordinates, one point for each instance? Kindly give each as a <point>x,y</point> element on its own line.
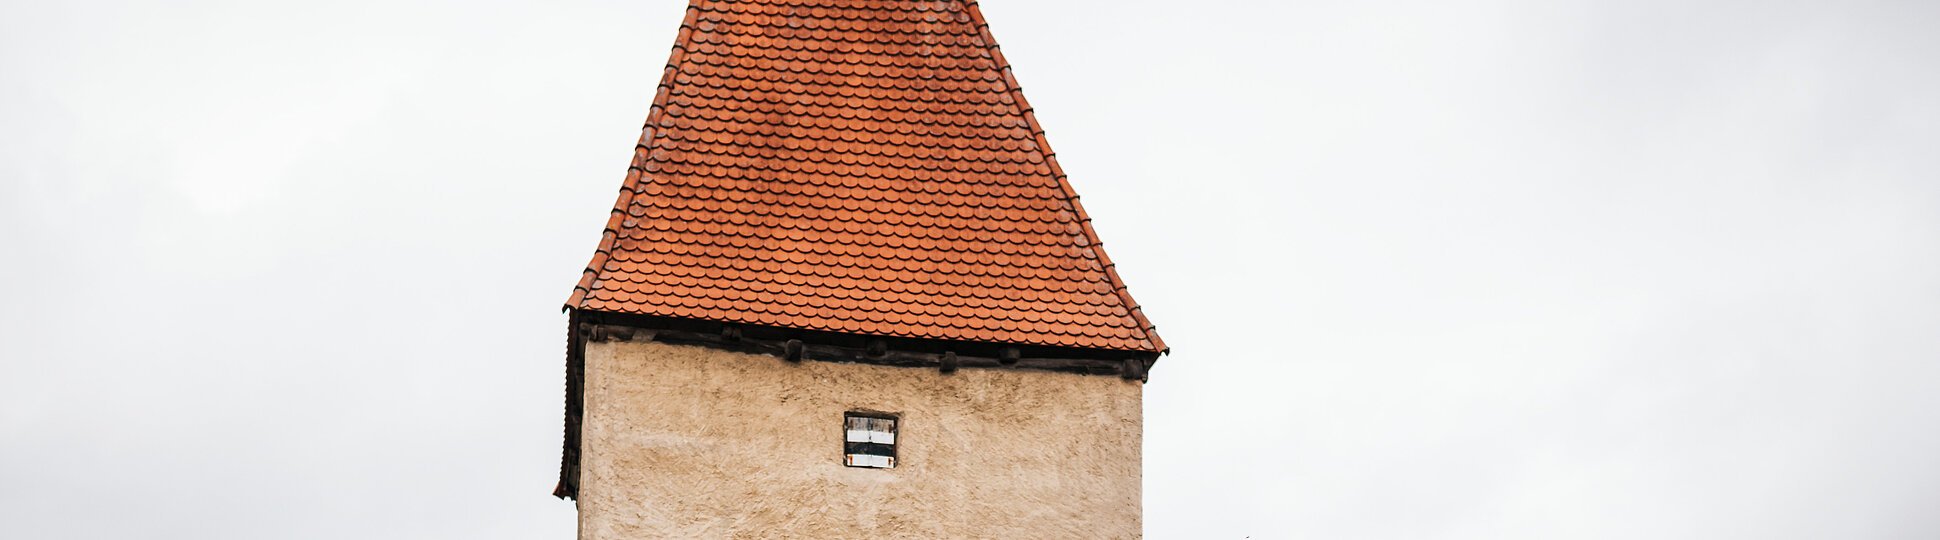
<point>1050,159</point>
<point>631,187</point>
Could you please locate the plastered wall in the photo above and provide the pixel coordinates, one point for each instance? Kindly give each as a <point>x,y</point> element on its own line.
<point>689,442</point>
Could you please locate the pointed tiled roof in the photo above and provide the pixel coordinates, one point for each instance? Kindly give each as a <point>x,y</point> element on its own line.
<point>855,166</point>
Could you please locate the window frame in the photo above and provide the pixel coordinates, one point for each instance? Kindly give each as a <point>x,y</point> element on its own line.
<point>895,434</point>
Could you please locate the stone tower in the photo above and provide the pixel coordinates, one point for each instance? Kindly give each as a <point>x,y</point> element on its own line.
<point>847,291</point>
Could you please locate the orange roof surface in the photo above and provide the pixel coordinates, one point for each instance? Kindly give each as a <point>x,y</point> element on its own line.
<point>856,166</point>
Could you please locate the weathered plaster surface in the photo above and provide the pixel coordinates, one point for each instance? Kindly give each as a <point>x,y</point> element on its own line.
<point>689,442</point>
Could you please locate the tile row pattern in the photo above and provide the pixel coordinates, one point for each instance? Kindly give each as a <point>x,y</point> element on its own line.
<point>855,166</point>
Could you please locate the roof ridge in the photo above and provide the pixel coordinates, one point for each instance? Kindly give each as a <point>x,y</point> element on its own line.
<point>1094,245</point>
<point>630,188</point>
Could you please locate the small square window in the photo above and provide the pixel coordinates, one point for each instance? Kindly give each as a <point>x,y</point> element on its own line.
<point>869,440</point>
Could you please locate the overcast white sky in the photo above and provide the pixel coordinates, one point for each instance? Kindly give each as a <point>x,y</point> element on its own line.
<point>1503,269</point>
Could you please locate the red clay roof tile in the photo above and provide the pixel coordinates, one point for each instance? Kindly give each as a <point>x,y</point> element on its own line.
<point>855,166</point>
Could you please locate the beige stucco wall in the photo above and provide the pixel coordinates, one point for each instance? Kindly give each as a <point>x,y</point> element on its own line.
<point>982,453</point>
